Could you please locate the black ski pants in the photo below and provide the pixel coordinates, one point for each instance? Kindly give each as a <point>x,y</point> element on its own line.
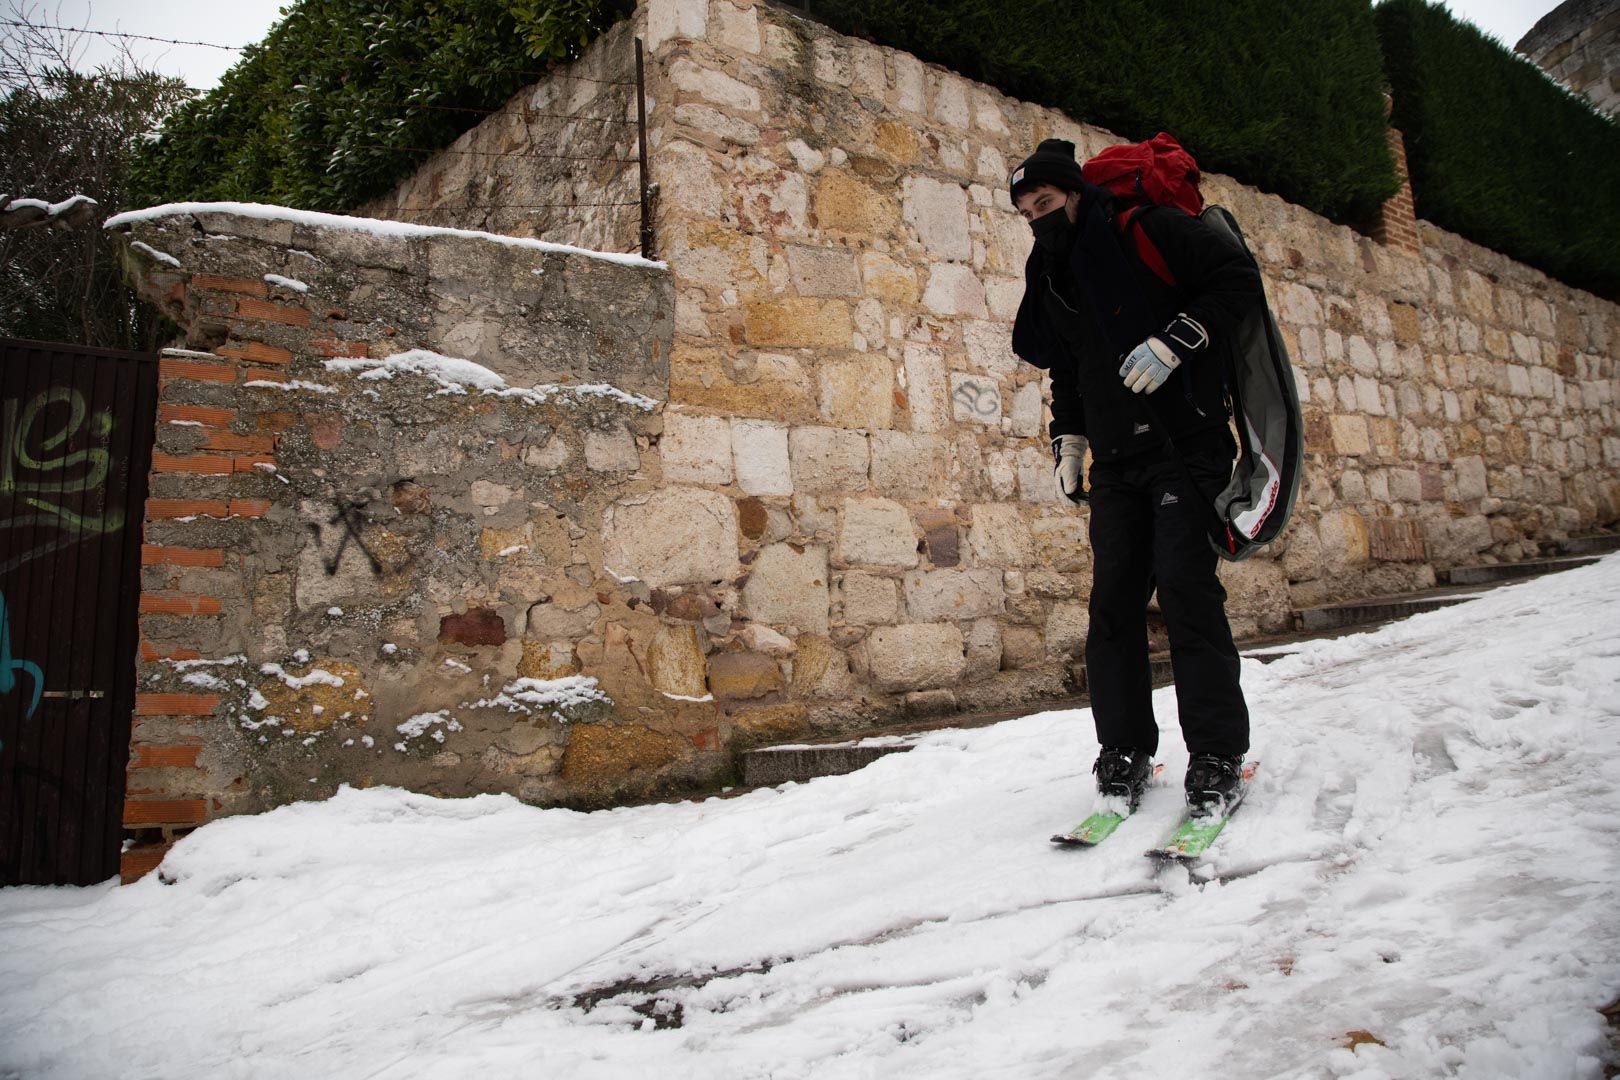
<point>1147,532</point>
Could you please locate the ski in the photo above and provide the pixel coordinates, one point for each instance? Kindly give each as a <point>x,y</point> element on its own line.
<point>1092,831</point>
<point>1100,825</point>
<point>1194,835</point>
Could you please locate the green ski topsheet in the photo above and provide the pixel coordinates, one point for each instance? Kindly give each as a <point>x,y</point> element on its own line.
<point>1094,830</point>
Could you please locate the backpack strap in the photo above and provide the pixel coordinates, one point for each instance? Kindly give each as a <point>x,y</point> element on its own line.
<point>1146,250</point>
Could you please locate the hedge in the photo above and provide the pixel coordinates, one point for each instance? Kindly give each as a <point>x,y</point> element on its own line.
<point>1285,96</point>
<point>344,98</point>
<point>1499,153</point>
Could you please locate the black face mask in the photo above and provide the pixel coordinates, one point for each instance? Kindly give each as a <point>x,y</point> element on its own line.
<point>1053,231</point>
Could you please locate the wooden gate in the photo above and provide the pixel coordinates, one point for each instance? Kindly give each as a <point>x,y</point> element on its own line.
<point>76,429</point>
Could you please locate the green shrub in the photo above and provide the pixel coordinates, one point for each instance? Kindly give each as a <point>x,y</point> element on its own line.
<point>1499,153</point>
<point>344,98</point>
<point>1287,97</point>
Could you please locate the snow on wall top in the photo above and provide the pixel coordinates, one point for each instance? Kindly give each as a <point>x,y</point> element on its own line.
<point>374,226</point>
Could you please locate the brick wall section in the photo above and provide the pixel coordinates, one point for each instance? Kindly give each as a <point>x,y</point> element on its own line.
<point>208,471</point>
<point>1397,221</point>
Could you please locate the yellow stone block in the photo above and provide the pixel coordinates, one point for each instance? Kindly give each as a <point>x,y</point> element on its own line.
<point>761,386</point>
<point>845,205</point>
<point>886,279</point>
<point>897,140</point>
<point>799,322</point>
<point>602,754</point>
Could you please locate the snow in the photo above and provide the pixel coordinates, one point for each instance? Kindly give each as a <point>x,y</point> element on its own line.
<point>317,677</point>
<point>1425,868</point>
<point>285,282</point>
<point>373,226</point>
<point>547,695</point>
<point>452,374</point>
<point>455,375</point>
<point>153,253</point>
<point>295,384</point>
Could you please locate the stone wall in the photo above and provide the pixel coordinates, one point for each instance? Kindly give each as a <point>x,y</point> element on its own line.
<point>840,507</point>
<point>373,546</point>
<point>1578,44</point>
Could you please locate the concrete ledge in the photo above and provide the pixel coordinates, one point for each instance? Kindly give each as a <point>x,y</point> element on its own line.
<point>774,765</point>
<point>1487,575</point>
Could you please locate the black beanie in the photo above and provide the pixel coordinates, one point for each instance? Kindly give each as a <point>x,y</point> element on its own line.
<point>1051,163</point>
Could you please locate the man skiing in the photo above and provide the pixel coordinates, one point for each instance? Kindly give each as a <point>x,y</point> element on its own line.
<point>1137,370</point>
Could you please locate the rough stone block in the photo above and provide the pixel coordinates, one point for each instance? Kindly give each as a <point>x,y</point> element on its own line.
<point>798,322</point>
<point>827,272</point>
<point>828,460</point>
<point>926,388</point>
<point>954,289</point>
<point>858,393</point>
<point>907,466</point>
<point>846,206</point>
<point>940,595</point>
<point>760,453</point>
<point>1021,647</point>
<point>1000,536</point>
<point>677,536</point>
<point>876,532</point>
<point>1350,436</point>
<point>869,600</point>
<point>938,210</point>
<point>1066,627</point>
<point>611,450</point>
<point>743,676</point>
<point>983,650</point>
<point>917,656</point>
<point>675,661</point>
<point>1471,479</point>
<point>695,449</point>
<point>787,586</point>
<point>887,279</point>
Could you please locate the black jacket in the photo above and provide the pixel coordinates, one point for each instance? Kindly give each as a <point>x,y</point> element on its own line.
<point>1082,314</point>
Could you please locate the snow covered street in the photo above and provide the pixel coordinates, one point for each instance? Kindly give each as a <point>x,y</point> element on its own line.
<point>1426,867</point>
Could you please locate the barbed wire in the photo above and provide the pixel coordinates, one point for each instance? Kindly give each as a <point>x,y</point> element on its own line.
<point>22,23</point>
<point>116,34</point>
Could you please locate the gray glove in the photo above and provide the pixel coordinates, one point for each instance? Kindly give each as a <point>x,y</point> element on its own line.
<point>1069,460</point>
<point>1148,365</point>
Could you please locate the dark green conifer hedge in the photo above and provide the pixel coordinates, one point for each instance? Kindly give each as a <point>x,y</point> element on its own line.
<point>1285,96</point>
<point>1501,154</point>
<point>344,98</point>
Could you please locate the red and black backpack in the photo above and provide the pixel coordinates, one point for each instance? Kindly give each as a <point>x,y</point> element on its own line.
<point>1256,503</point>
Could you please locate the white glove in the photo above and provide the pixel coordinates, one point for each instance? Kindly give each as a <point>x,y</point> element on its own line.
<point>1148,365</point>
<point>1069,459</point>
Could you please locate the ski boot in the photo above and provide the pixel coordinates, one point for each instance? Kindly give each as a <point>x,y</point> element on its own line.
<point>1214,784</point>
<point>1123,773</point>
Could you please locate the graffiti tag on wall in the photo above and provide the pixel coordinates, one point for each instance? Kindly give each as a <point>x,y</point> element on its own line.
<point>58,493</point>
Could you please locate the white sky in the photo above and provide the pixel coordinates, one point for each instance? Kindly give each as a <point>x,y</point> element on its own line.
<point>239,22</point>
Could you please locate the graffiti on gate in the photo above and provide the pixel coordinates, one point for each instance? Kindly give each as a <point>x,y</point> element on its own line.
<point>40,469</point>
<point>11,667</point>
